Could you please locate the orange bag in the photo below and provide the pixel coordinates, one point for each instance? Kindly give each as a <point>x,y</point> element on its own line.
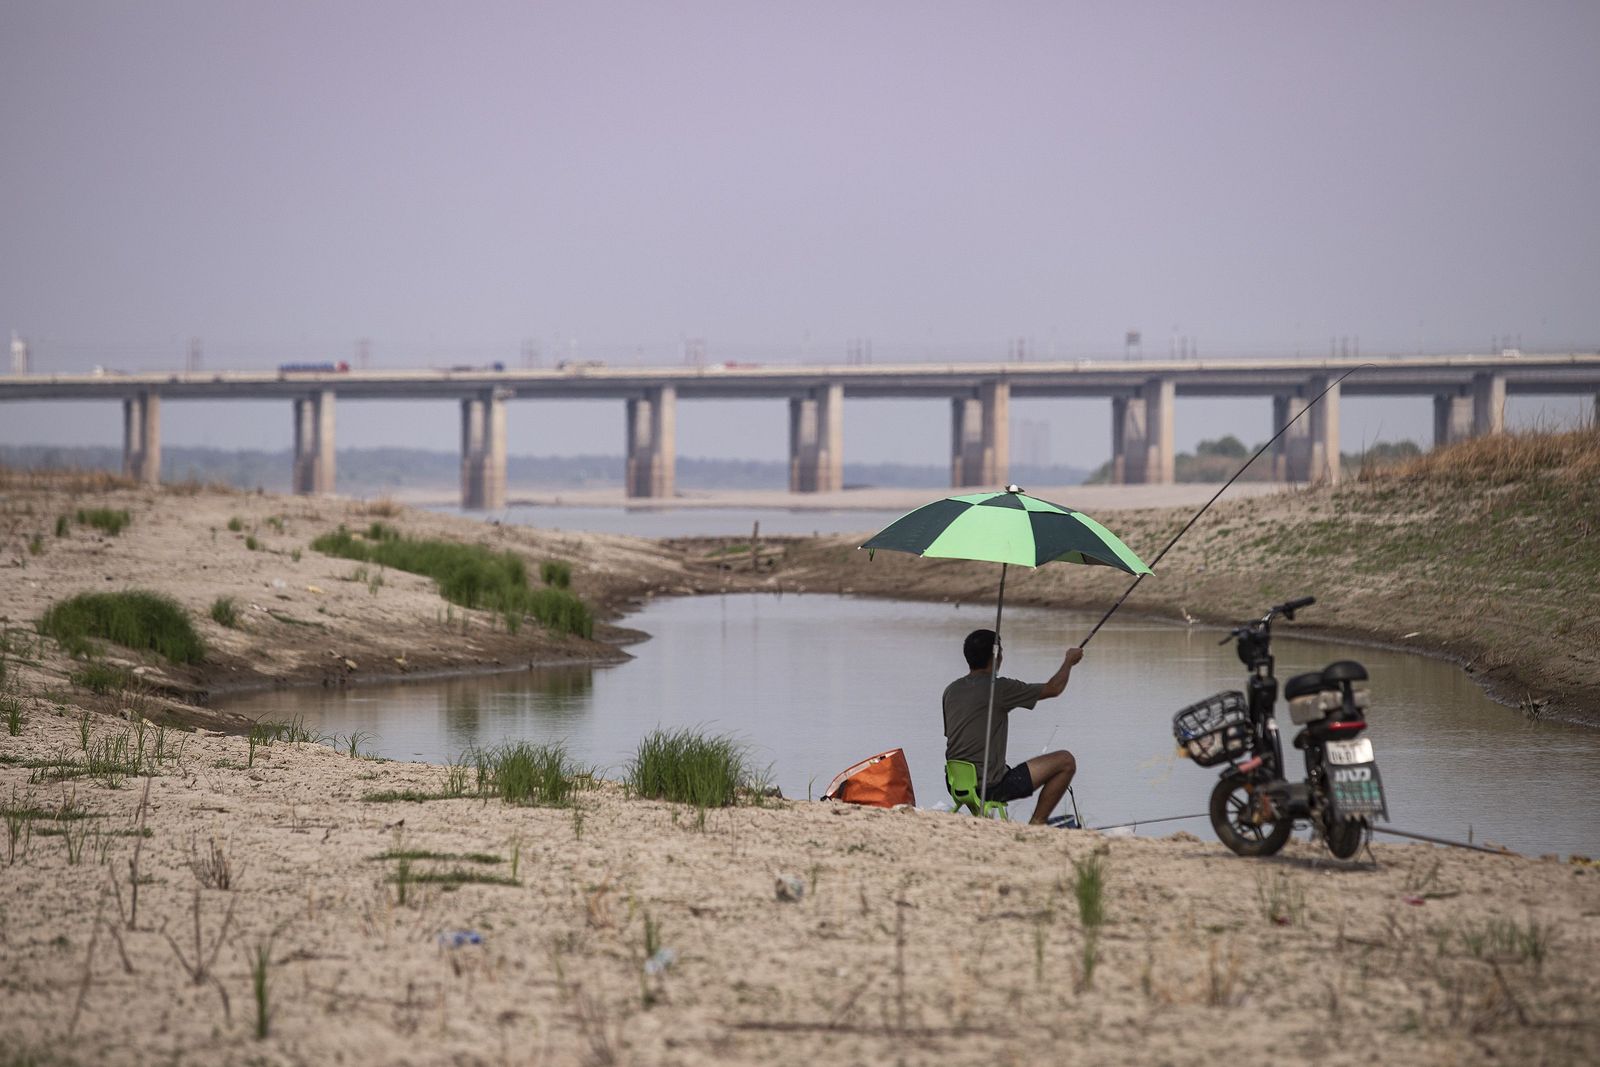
<point>882,781</point>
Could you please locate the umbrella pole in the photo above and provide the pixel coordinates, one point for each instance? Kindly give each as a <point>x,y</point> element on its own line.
<point>994,670</point>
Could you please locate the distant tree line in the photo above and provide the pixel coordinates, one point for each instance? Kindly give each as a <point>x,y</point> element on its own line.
<point>1216,460</point>
<point>370,471</point>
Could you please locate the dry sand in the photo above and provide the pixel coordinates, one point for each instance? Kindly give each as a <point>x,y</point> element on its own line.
<point>921,937</point>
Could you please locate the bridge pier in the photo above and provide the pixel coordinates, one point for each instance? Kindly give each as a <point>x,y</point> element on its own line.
<point>816,441</point>
<point>1488,403</point>
<point>1452,418</point>
<point>141,438</point>
<point>1291,456</point>
<point>313,443</point>
<point>980,437</point>
<point>1309,450</point>
<point>652,421</point>
<point>1325,460</point>
<point>1142,450</point>
<point>994,404</point>
<point>483,452</point>
<point>966,442</point>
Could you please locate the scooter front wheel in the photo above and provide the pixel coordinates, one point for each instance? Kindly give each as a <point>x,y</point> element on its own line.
<point>1345,837</point>
<point>1234,811</point>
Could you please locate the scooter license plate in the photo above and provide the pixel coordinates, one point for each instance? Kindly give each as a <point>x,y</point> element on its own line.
<point>1356,790</point>
<point>1350,753</point>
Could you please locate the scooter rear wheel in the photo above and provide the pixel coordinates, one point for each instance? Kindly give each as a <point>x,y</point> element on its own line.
<point>1233,804</point>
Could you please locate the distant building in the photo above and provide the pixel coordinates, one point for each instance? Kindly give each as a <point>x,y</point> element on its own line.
<point>19,354</point>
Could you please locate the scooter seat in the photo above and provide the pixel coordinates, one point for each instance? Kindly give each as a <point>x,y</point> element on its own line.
<point>1302,684</point>
<point>1345,670</point>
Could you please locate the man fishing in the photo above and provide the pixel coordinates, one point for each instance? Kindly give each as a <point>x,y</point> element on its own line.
<point>966,709</point>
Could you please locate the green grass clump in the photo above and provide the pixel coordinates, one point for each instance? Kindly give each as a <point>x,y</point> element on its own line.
<point>1089,886</point>
<point>235,524</point>
<point>268,731</point>
<point>470,575</point>
<point>520,772</point>
<point>225,612</point>
<point>109,520</point>
<point>424,854</point>
<point>411,796</point>
<point>556,573</point>
<point>100,678</point>
<point>452,878</point>
<point>62,525</point>
<point>260,987</point>
<point>136,619</point>
<point>688,767</point>
<point>251,543</point>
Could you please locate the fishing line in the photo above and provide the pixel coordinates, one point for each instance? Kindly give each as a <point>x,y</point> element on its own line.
<point>1186,527</point>
<point>1149,822</point>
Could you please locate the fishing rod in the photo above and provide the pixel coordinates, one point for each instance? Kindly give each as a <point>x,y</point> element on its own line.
<point>1443,841</point>
<point>1196,518</point>
<point>1412,834</point>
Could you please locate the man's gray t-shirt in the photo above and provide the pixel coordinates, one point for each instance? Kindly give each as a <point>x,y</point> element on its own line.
<point>966,706</point>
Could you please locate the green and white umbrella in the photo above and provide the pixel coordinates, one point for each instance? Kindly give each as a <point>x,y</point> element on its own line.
<point>1005,528</point>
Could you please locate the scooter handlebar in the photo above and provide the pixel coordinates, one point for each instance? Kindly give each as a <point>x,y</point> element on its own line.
<point>1288,609</point>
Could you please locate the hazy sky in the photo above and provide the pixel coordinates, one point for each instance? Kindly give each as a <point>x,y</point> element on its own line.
<point>452,180</point>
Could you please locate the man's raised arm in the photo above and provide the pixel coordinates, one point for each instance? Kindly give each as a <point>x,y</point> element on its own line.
<point>1058,681</point>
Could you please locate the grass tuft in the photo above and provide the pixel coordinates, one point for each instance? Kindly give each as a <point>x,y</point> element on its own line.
<point>100,678</point>
<point>688,767</point>
<point>110,520</point>
<point>424,854</point>
<point>225,612</point>
<point>1089,886</point>
<point>520,772</point>
<point>260,963</point>
<point>556,573</point>
<point>472,576</point>
<point>137,619</point>
<point>452,878</point>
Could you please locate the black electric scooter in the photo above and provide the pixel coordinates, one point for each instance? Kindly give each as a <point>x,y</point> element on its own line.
<point>1254,807</point>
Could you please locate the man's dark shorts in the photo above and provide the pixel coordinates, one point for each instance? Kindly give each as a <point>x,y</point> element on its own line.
<point>1016,784</point>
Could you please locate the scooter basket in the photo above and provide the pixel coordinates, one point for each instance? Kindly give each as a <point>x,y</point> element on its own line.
<point>1215,729</point>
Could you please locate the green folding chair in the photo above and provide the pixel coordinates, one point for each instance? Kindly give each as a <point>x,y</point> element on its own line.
<point>961,779</point>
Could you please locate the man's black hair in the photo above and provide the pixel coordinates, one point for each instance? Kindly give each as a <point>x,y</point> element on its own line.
<point>979,648</point>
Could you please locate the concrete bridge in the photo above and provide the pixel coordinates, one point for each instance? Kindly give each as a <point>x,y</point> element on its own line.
<point>1468,392</point>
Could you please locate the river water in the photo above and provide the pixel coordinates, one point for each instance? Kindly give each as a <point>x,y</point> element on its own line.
<point>692,522</point>
<point>813,683</point>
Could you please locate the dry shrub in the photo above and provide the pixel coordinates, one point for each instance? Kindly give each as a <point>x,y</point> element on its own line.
<point>383,507</point>
<point>1571,457</point>
<point>61,480</point>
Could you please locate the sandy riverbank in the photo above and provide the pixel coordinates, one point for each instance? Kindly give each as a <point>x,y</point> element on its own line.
<point>920,938</point>
<point>305,618</point>
<point>896,950</point>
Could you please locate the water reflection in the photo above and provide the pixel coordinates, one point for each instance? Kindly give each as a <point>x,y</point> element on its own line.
<point>814,683</point>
